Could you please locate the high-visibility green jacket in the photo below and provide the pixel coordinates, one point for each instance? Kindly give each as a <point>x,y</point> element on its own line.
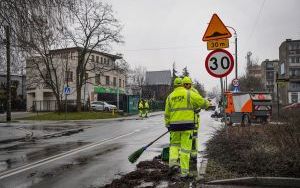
<point>179,109</point>
<point>146,105</point>
<point>206,102</point>
<point>141,106</point>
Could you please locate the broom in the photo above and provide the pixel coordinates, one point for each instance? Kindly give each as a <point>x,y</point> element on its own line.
<point>135,155</point>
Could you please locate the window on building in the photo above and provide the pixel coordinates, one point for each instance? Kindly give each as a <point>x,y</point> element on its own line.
<point>92,58</point>
<point>115,81</point>
<point>101,60</point>
<point>86,76</point>
<point>104,61</point>
<point>72,55</point>
<point>270,75</point>
<point>108,61</point>
<point>124,83</point>
<point>269,65</point>
<point>107,80</point>
<point>97,79</point>
<point>97,59</point>
<point>294,72</point>
<point>295,85</point>
<point>69,76</point>
<point>297,59</point>
<point>294,97</point>
<point>120,83</point>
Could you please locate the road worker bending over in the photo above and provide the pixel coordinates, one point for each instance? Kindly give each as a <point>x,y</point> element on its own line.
<point>143,108</point>
<point>187,83</point>
<point>180,121</point>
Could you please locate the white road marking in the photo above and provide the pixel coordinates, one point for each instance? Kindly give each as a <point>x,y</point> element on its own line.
<point>60,156</point>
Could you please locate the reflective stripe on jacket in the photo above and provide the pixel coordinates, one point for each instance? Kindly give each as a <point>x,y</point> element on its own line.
<point>179,109</point>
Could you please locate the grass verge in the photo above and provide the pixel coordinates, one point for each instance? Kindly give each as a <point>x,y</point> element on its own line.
<point>72,116</point>
<point>261,150</point>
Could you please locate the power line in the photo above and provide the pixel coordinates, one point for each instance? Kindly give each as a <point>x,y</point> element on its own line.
<point>164,48</point>
<point>257,19</point>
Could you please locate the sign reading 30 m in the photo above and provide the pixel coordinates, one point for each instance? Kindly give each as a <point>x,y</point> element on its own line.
<point>219,63</point>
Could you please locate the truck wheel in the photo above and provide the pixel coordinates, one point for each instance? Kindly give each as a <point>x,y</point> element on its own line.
<point>246,120</point>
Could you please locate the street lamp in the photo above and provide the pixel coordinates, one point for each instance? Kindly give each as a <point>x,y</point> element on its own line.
<point>235,38</point>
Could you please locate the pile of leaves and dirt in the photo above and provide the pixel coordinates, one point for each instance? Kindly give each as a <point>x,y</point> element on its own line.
<point>260,150</point>
<point>148,174</point>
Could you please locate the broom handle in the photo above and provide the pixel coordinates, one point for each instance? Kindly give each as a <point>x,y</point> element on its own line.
<point>156,140</point>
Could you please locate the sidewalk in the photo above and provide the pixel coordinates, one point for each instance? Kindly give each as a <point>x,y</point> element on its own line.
<point>132,117</point>
<point>16,115</point>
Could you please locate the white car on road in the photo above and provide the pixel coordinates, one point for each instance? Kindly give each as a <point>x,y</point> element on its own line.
<point>102,106</point>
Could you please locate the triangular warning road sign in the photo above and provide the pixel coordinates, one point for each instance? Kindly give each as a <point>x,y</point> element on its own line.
<point>216,30</point>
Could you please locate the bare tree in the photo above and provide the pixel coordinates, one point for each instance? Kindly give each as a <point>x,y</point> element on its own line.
<point>215,93</point>
<point>96,28</point>
<point>139,73</point>
<point>45,67</point>
<point>36,29</point>
<point>200,88</point>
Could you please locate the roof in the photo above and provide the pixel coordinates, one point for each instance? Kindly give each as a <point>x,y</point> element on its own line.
<point>93,51</point>
<point>158,77</point>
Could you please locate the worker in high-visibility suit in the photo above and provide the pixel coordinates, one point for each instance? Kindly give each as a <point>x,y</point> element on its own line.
<point>141,107</point>
<point>187,82</point>
<point>179,119</point>
<point>146,108</point>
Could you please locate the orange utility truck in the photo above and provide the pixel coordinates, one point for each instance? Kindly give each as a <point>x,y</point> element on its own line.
<point>245,108</point>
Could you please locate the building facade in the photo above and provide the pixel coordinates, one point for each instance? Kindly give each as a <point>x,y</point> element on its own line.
<point>103,79</point>
<point>269,69</point>
<point>289,69</point>
<point>158,85</point>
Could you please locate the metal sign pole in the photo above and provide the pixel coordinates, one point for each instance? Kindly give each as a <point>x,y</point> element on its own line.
<point>223,105</point>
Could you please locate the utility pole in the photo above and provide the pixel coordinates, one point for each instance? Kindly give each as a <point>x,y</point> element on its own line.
<point>118,92</point>
<point>66,96</point>
<point>8,82</point>
<point>236,58</point>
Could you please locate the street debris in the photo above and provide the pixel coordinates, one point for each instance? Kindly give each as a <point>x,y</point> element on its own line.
<point>152,173</point>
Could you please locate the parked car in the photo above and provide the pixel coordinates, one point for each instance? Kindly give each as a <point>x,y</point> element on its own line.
<point>102,106</point>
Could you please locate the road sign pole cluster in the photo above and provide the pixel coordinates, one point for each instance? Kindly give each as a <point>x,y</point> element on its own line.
<point>219,63</point>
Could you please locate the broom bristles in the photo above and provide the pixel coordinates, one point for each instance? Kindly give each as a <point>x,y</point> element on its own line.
<point>135,155</point>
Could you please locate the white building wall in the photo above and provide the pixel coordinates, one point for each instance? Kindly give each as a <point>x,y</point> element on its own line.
<point>87,91</point>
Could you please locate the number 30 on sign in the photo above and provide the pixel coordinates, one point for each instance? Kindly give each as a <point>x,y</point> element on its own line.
<point>219,63</point>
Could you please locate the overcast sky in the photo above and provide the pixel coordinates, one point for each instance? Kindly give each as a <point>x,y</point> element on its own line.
<point>160,32</point>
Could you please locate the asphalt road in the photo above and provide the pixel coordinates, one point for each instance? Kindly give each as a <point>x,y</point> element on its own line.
<point>89,158</point>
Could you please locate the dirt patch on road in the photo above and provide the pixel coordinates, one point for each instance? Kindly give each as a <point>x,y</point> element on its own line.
<point>152,173</point>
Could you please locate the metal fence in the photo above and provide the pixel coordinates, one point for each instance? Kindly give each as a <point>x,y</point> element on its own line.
<point>52,105</point>
<point>128,104</point>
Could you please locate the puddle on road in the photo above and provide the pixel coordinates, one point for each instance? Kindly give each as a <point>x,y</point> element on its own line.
<point>40,153</point>
<point>51,150</point>
<point>51,128</point>
<point>74,164</point>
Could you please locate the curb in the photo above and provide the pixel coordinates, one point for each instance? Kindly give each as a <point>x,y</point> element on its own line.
<point>261,181</point>
<point>52,135</point>
<point>134,117</point>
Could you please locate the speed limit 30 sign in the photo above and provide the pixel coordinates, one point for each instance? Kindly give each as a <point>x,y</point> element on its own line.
<point>219,63</point>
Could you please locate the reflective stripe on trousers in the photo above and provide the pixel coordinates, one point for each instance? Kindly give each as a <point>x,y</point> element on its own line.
<point>184,138</point>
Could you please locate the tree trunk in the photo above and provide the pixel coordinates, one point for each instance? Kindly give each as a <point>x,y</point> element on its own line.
<point>78,98</point>
<point>59,106</point>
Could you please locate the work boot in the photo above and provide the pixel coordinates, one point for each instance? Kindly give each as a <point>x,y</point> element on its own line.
<point>173,170</point>
<point>186,178</point>
<point>193,159</point>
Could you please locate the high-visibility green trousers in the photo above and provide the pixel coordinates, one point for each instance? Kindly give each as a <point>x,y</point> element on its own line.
<point>180,147</point>
<point>143,112</point>
<point>195,137</point>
